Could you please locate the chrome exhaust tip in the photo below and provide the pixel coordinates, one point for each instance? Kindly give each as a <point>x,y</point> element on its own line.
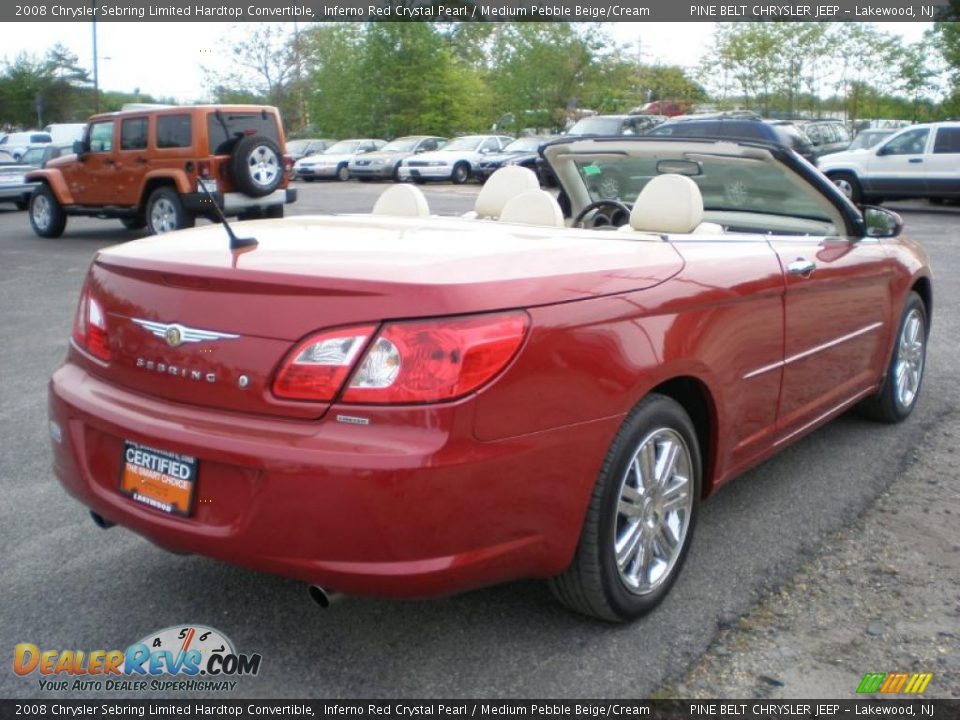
<point>322,596</point>
<point>101,521</point>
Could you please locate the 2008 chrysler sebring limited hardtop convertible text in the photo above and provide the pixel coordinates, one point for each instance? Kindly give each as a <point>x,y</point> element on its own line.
<point>405,405</point>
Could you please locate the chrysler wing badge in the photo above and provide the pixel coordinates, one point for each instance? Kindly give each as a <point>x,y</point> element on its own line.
<point>175,334</point>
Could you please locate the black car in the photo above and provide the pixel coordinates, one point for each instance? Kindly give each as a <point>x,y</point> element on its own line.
<point>783,132</point>
<point>826,136</point>
<point>522,151</point>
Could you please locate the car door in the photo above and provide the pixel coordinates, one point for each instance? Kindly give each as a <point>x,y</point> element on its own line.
<point>836,311</point>
<point>91,179</point>
<point>897,167</point>
<point>131,160</point>
<point>943,164</point>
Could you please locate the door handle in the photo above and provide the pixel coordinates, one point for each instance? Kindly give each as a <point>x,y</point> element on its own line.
<point>109,161</point>
<point>802,267</point>
<point>915,160</point>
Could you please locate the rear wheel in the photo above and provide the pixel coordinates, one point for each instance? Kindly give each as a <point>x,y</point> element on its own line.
<point>165,212</point>
<point>46,215</point>
<point>898,394</point>
<point>641,516</point>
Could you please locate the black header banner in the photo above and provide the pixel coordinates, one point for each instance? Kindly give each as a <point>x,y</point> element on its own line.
<point>483,709</point>
<point>469,10</point>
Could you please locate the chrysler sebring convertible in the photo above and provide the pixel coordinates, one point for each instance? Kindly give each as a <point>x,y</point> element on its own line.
<point>407,405</point>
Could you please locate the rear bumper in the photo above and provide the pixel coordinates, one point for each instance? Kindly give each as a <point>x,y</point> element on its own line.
<point>21,191</point>
<point>430,173</point>
<point>410,505</point>
<point>315,171</point>
<point>380,171</point>
<point>233,203</point>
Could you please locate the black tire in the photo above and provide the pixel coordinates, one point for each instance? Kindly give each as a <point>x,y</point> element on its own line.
<point>165,212</point>
<point>46,214</point>
<point>137,222</point>
<point>307,179</point>
<point>888,404</point>
<point>343,173</point>
<point>274,211</point>
<point>460,173</point>
<point>594,584</point>
<point>395,176</point>
<point>22,203</point>
<point>848,184</point>
<point>256,166</point>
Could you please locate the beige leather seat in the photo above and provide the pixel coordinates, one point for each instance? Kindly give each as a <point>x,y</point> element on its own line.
<point>670,204</point>
<point>533,207</point>
<point>402,200</point>
<point>504,184</point>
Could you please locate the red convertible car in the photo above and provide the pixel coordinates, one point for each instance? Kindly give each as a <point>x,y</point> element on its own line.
<point>407,405</point>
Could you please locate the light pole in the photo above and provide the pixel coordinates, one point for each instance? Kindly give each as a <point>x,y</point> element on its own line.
<point>96,79</point>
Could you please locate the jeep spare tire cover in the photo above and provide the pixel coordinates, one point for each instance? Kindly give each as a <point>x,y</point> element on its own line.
<point>256,165</point>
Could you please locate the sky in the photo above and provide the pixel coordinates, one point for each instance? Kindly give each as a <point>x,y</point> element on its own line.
<point>165,59</point>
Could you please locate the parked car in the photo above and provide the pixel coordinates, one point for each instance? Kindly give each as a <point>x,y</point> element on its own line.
<point>37,157</point>
<point>866,139</point>
<point>406,405</point>
<point>16,143</point>
<point>523,152</point>
<point>162,167</point>
<point>616,124</point>
<point>65,133</point>
<point>743,127</point>
<point>920,161</point>
<point>455,161</point>
<point>14,186</point>
<point>301,148</point>
<point>6,158</point>
<point>384,164</point>
<point>826,136</point>
<point>334,162</point>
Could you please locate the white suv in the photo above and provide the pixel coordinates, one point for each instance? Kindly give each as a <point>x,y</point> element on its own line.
<point>917,161</point>
<point>455,161</point>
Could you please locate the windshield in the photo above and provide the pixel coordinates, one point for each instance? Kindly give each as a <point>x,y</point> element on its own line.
<point>727,183</point>
<point>400,145</point>
<point>344,147</point>
<point>529,144</point>
<point>470,142</point>
<point>869,138</point>
<point>596,126</point>
<point>34,156</point>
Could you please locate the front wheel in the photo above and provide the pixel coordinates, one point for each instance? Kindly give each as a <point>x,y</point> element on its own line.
<point>166,213</point>
<point>641,516</point>
<point>46,215</point>
<point>848,184</point>
<point>900,389</point>
<point>343,173</point>
<point>461,173</point>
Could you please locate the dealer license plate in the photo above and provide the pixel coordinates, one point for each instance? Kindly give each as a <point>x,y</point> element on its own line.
<point>160,479</point>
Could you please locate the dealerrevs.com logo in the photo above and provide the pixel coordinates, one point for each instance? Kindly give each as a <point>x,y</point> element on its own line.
<point>178,658</point>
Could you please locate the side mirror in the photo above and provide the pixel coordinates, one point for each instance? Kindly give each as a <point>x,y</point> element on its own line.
<point>79,148</point>
<point>885,150</point>
<point>881,223</point>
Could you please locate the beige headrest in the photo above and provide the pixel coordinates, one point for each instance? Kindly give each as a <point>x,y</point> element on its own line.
<point>533,207</point>
<point>505,183</point>
<point>668,204</point>
<point>405,200</point>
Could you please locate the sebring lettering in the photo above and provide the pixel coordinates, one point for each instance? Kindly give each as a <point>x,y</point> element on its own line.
<point>176,371</point>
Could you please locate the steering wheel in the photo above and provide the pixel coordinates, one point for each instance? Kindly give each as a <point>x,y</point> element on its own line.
<point>616,211</point>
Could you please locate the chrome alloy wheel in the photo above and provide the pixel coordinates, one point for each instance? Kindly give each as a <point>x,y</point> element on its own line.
<point>654,511</point>
<point>163,216</point>
<point>41,212</point>
<point>908,370</point>
<point>264,165</point>
<point>844,186</point>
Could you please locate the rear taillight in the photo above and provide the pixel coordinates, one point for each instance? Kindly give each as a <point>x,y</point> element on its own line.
<point>203,168</point>
<point>90,326</point>
<point>407,362</point>
<point>318,367</point>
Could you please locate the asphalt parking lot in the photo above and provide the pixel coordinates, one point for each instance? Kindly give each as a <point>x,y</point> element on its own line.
<point>67,584</point>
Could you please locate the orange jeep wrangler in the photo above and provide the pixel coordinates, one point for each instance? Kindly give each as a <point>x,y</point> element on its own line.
<point>145,165</point>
